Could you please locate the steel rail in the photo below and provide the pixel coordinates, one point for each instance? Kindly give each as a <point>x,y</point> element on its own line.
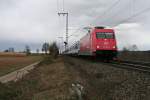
<point>144,67</point>
<point>131,65</point>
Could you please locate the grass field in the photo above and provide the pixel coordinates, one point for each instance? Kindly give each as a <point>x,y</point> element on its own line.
<point>51,80</point>
<point>12,63</point>
<point>6,54</point>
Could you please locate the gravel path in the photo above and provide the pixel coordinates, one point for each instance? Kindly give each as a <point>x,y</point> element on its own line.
<point>18,74</point>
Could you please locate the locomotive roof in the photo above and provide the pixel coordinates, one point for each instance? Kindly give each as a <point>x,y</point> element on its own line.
<point>99,27</point>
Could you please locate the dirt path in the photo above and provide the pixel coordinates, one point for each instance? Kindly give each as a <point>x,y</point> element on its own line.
<point>18,74</point>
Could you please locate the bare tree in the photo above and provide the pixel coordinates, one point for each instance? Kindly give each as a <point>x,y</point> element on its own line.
<point>27,50</point>
<point>37,51</point>
<point>131,48</point>
<point>134,47</point>
<point>125,49</point>
<point>45,48</point>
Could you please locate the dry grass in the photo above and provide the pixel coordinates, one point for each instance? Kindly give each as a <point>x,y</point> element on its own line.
<point>12,63</point>
<point>52,80</point>
<point>49,81</point>
<point>9,54</point>
<point>135,56</point>
<point>106,82</point>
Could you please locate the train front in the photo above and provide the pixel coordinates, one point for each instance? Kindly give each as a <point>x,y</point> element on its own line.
<point>104,43</point>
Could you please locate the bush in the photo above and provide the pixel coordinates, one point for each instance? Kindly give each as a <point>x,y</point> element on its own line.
<point>53,49</point>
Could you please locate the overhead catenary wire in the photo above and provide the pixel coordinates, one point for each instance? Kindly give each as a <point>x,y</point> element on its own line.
<point>60,5</point>
<point>66,14</point>
<point>131,11</point>
<point>131,15</point>
<point>134,15</point>
<point>110,18</point>
<point>57,4</point>
<point>112,6</point>
<point>63,9</point>
<point>57,9</point>
<point>108,10</point>
<point>76,30</point>
<point>60,19</point>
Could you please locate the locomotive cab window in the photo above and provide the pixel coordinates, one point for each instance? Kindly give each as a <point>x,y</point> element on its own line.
<point>101,35</point>
<point>109,35</point>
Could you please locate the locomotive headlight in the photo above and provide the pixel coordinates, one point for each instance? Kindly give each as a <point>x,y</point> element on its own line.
<point>114,47</point>
<point>97,46</point>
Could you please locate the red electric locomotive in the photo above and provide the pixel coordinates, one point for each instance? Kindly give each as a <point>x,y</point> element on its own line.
<point>98,42</point>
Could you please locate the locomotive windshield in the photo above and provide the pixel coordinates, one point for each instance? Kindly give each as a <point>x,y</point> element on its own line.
<point>104,35</point>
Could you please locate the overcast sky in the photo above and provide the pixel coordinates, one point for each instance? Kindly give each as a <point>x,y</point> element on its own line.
<point>32,22</point>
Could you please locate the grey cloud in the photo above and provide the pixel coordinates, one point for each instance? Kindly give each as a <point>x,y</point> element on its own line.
<point>36,21</point>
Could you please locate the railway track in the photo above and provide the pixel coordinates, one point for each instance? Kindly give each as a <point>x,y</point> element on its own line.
<point>130,65</point>
<point>139,66</point>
